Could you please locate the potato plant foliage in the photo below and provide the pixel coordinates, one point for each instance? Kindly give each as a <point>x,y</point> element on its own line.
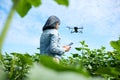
<point>98,62</point>
<point>89,63</point>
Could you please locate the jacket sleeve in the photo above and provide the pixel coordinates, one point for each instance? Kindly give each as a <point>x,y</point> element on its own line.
<point>54,45</point>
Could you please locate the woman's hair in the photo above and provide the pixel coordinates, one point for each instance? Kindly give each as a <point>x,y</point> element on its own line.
<point>51,23</point>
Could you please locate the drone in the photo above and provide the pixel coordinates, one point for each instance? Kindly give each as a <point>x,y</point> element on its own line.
<point>75,29</point>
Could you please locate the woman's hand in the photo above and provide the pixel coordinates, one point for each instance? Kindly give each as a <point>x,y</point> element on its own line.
<point>66,48</point>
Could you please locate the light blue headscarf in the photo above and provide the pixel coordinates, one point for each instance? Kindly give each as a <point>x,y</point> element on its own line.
<point>51,23</point>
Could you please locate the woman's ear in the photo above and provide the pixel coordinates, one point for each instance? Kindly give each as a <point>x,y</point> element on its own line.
<point>57,25</point>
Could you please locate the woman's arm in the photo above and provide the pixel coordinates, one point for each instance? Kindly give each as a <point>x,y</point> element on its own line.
<point>54,46</point>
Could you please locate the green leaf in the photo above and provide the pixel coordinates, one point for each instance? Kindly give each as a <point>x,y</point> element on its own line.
<point>115,45</point>
<point>24,58</point>
<point>86,45</point>
<point>79,49</point>
<point>75,55</point>
<point>82,42</point>
<point>99,50</point>
<point>22,7</point>
<point>2,73</point>
<point>48,62</point>
<point>109,71</point>
<point>35,3</point>
<point>62,2</point>
<point>39,72</point>
<point>118,57</point>
<point>103,48</point>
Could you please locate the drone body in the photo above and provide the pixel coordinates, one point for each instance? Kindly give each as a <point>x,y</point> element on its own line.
<point>76,29</point>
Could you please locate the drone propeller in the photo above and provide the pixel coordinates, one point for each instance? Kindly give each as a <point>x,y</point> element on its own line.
<point>69,27</point>
<point>80,27</point>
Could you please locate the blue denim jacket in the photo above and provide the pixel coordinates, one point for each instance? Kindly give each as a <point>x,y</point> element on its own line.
<point>50,43</point>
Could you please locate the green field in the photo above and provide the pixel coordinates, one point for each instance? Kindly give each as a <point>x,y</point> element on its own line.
<point>86,64</point>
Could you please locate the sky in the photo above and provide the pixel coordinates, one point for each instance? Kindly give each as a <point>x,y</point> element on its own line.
<point>100,19</point>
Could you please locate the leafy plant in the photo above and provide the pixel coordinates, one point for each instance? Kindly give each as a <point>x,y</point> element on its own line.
<point>86,63</point>
<point>116,45</point>
<point>98,62</point>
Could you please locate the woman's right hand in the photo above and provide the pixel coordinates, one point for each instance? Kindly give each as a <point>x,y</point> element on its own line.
<point>66,48</point>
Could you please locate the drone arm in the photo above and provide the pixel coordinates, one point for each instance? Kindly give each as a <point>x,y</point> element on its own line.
<point>80,28</point>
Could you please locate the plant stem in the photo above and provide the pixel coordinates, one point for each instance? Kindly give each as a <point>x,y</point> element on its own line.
<point>12,67</point>
<point>6,27</point>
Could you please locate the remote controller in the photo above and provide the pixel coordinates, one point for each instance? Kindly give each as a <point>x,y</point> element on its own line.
<point>70,44</point>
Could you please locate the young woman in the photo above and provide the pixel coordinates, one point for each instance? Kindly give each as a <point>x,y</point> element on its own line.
<point>50,39</point>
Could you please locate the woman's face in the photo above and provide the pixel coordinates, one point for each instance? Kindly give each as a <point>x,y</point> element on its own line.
<point>57,25</point>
